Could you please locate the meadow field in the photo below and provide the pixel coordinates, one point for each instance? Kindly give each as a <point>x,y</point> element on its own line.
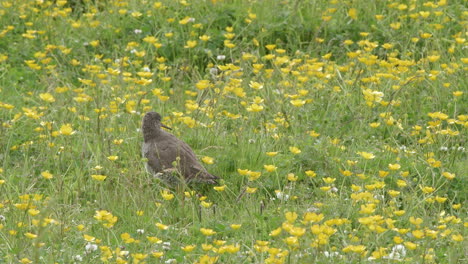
<point>338,129</point>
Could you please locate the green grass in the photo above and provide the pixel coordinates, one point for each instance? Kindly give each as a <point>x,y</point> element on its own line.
<point>373,94</point>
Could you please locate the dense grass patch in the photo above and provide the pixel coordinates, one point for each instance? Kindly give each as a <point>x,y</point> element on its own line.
<point>339,129</point>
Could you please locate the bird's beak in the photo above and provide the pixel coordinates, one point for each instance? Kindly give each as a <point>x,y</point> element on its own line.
<point>163,125</point>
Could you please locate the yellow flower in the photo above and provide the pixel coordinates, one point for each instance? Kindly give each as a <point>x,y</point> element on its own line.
<point>427,189</point>
<point>47,97</point>
<point>352,13</point>
<point>242,172</point>
<point>394,166</point>
<point>204,38</point>
<point>270,168</point>
<point>457,238</point>
<point>154,240</point>
<point>30,235</point>
<point>311,173</point>
<point>366,155</point>
<point>250,190</point>
<point>329,180</point>
<point>206,204</point>
<point>448,175</point>
<point>112,158</point>
<point>208,160</point>
<point>236,226</point>
<point>272,154</point>
<point>294,150</point>
<point>255,108</point>
<point>291,216</point>
<point>314,134</point>
<point>411,245</point>
<point>98,177</point>
<point>190,44</point>
<point>207,231</point>
<point>161,226</point>
<point>157,254</point>
<point>256,85</point>
<point>418,234</point>
<point>203,84</point>
<point>33,212</point>
<point>415,221</point>
<point>166,195</point>
<point>25,261</point>
<point>47,175</point>
<point>292,241</point>
<point>219,188</point>
<point>292,177</point>
<point>297,102</point>
<point>253,175</point>
<point>189,248</point>
<point>66,130</point>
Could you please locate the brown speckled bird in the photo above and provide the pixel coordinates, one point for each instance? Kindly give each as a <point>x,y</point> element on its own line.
<point>169,158</point>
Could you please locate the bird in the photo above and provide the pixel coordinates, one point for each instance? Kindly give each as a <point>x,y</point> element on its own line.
<point>169,158</point>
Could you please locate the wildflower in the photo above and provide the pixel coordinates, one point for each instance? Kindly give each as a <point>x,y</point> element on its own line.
<point>448,175</point>
<point>47,175</point>
<point>294,150</point>
<point>256,85</point>
<point>189,248</point>
<point>270,168</point>
<point>112,158</point>
<point>202,84</point>
<point>271,154</point>
<point>366,155</point>
<point>352,13</point>
<point>311,173</point>
<point>394,166</point>
<point>250,190</point>
<point>157,254</point>
<point>235,226</point>
<point>162,226</point>
<point>220,188</point>
<point>427,189</point>
<point>207,231</point>
<point>411,245</point>
<point>30,235</point>
<point>98,177</point>
<point>190,44</point>
<point>292,177</point>
<point>255,108</point>
<point>47,97</point>
<point>206,204</point>
<point>166,195</point>
<point>66,130</point>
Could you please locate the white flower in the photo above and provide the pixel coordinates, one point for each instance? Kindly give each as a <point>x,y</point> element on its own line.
<point>90,247</point>
<point>282,196</point>
<point>398,253</point>
<point>166,245</point>
<point>137,31</point>
<point>140,231</point>
<point>78,258</point>
<point>2,218</point>
<point>214,71</point>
